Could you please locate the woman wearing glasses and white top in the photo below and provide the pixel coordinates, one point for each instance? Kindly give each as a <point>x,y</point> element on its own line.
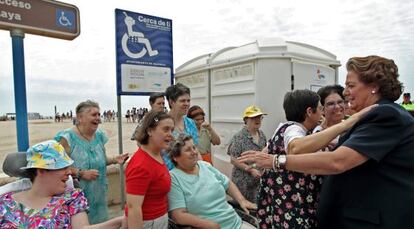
<point>333,103</point>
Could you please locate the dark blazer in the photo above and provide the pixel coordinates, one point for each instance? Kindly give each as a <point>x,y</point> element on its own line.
<point>380,192</point>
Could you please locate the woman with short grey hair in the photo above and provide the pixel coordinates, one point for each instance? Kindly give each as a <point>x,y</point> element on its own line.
<point>85,144</point>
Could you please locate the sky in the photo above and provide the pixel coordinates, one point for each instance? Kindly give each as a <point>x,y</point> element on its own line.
<point>63,73</point>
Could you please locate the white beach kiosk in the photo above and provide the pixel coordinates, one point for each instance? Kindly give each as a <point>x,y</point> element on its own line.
<point>224,83</point>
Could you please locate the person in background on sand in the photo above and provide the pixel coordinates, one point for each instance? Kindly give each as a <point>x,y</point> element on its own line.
<point>406,103</point>
<point>128,116</point>
<point>147,178</point>
<point>206,133</point>
<point>157,103</point>
<point>250,137</point>
<point>49,203</point>
<point>85,144</point>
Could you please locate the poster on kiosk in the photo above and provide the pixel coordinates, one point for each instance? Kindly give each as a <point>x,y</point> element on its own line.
<point>144,55</point>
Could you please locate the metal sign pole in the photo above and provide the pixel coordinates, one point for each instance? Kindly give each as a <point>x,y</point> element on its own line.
<point>121,167</point>
<point>17,36</point>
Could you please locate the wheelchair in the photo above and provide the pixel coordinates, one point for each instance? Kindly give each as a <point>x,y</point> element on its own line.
<point>14,161</point>
<point>249,218</point>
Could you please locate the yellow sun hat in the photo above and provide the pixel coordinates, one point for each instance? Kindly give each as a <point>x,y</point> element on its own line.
<point>252,111</point>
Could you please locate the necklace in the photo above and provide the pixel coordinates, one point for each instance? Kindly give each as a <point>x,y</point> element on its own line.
<point>86,138</point>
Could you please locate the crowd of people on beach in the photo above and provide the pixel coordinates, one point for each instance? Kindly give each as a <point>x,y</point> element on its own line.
<point>135,115</point>
<point>342,159</point>
<point>60,117</point>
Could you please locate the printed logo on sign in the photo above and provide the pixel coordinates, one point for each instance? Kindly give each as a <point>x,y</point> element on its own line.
<point>132,38</point>
<point>320,76</point>
<point>65,19</point>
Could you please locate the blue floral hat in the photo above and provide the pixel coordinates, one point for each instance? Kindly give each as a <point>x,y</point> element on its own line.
<point>47,155</point>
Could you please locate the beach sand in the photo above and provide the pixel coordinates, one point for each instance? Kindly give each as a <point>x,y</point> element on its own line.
<point>41,130</point>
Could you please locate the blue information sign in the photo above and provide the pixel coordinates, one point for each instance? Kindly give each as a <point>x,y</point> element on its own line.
<point>144,54</point>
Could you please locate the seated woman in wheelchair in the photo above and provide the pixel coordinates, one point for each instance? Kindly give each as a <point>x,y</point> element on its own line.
<point>48,203</point>
<point>198,191</point>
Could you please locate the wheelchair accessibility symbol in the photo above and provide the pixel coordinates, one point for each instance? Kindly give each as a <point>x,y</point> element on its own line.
<point>135,37</point>
<point>65,19</point>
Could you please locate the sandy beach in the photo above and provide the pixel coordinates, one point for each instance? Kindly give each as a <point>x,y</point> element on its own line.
<point>40,130</point>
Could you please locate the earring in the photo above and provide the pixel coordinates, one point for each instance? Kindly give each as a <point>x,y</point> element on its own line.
<point>372,92</point>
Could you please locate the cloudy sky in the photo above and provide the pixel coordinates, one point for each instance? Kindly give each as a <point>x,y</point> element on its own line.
<point>63,73</point>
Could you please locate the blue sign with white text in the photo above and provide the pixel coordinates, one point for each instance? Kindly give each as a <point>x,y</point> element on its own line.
<point>144,54</point>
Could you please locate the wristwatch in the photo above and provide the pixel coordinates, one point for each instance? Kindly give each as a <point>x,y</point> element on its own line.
<point>281,161</point>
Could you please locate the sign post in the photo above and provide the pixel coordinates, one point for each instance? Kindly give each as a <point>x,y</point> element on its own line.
<point>39,17</point>
<point>144,60</point>
<point>20,89</point>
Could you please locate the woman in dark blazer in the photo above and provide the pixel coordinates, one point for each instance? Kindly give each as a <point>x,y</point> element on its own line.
<point>371,182</point>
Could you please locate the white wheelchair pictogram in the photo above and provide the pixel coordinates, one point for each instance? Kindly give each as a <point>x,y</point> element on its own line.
<point>63,20</point>
<point>135,37</point>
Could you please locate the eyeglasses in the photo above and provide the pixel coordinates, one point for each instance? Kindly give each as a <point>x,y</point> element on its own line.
<point>332,104</point>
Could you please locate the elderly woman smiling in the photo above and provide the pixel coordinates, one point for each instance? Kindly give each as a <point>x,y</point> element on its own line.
<point>198,191</point>
<point>85,144</point>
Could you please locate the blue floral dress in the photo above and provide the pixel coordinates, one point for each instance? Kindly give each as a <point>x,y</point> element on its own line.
<point>90,155</point>
<point>287,199</point>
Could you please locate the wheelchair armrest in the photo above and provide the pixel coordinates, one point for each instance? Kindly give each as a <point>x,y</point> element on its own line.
<point>250,218</point>
<point>174,225</point>
<point>236,205</point>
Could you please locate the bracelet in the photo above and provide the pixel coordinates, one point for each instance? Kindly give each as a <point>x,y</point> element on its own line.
<point>274,162</point>
<point>281,161</point>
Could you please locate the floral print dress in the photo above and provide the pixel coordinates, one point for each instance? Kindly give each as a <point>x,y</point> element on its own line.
<point>241,142</point>
<point>287,199</point>
<point>57,213</point>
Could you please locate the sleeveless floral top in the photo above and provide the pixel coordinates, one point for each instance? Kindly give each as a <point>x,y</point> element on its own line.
<point>287,199</point>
